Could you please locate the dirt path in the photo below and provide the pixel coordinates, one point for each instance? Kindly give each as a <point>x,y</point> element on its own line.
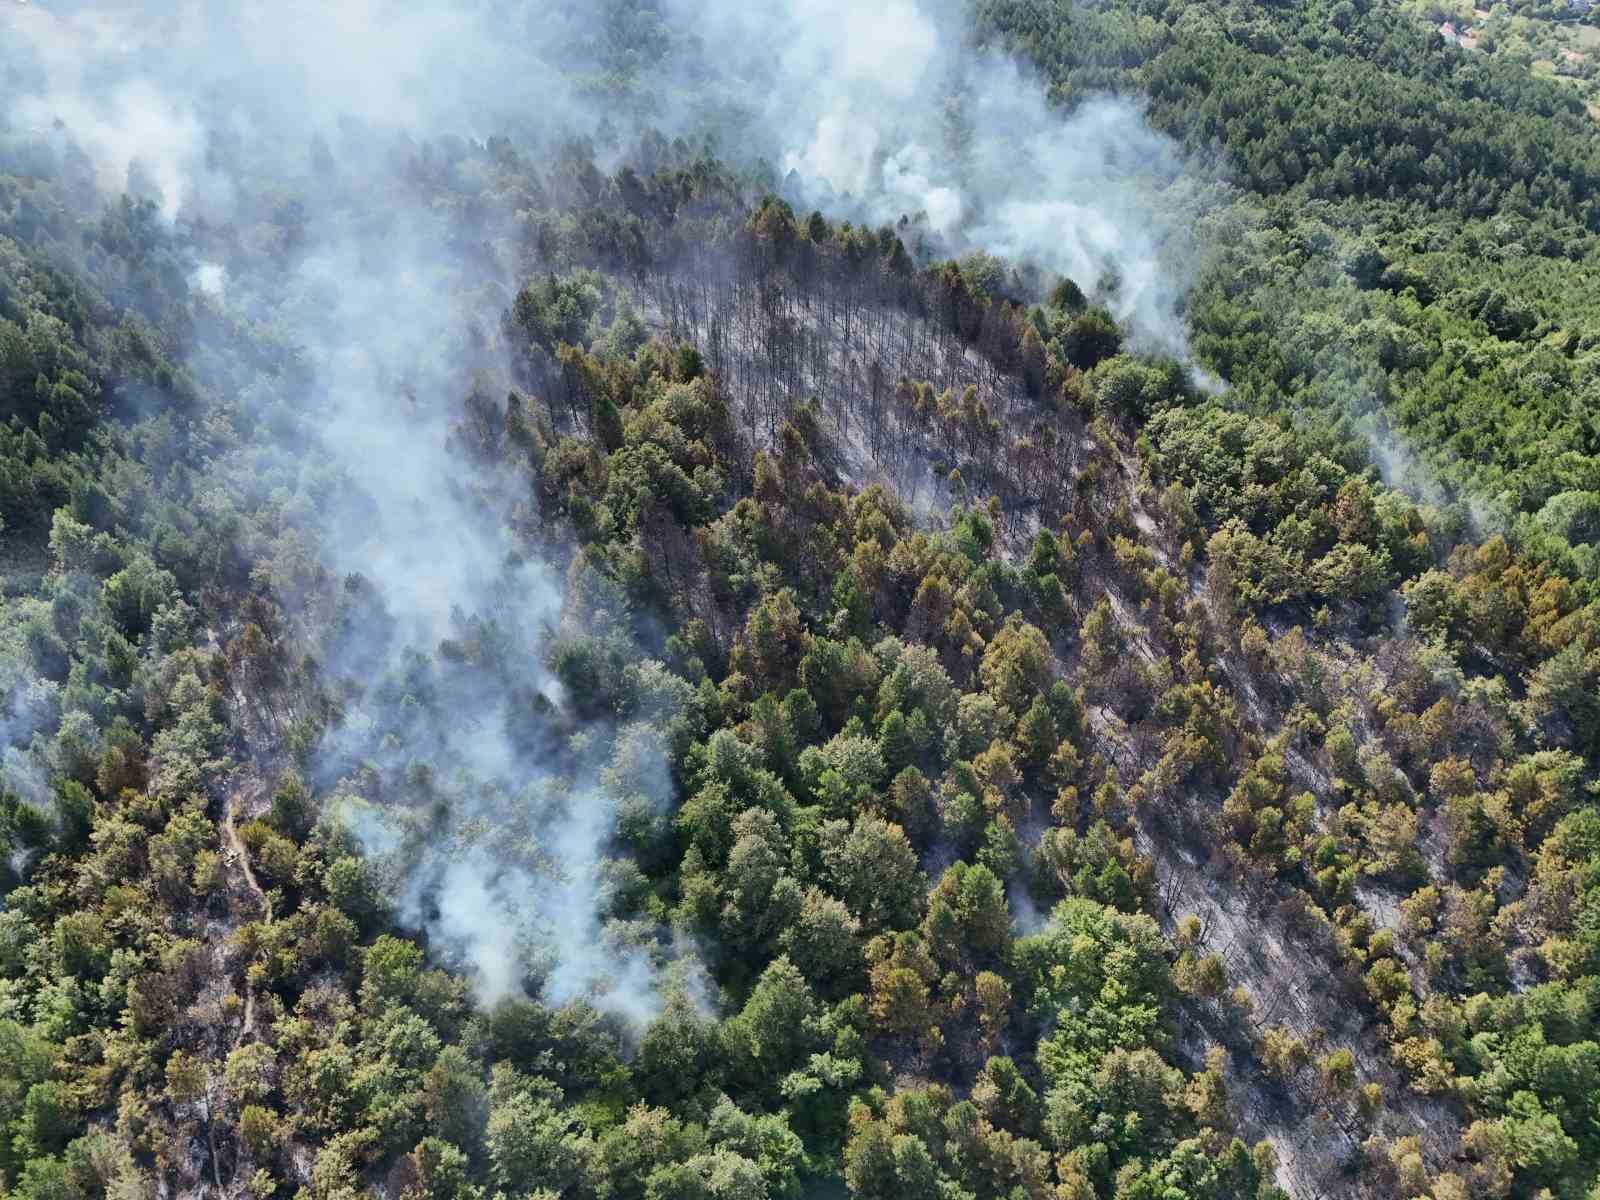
<point>236,860</point>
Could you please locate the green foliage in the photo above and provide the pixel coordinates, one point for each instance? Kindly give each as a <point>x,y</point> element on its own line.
<point>847,746</point>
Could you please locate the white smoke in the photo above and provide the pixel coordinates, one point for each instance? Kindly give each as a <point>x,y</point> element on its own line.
<point>28,709</point>
<point>211,279</point>
<point>221,111</point>
<point>892,106</point>
<point>138,136</point>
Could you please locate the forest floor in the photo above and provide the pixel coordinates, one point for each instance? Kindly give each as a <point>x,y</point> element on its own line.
<point>1293,986</point>
<point>1294,982</point>
<point>831,359</point>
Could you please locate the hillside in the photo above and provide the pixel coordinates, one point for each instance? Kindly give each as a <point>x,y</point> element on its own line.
<point>535,665</point>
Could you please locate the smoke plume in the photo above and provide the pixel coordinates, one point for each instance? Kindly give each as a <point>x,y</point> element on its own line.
<point>460,763</point>
<point>884,111</point>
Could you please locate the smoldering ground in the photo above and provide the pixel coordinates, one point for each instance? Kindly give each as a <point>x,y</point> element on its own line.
<point>282,140</point>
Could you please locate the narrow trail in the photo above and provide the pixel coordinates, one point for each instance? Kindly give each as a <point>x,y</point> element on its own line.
<point>243,798</point>
<point>236,858</point>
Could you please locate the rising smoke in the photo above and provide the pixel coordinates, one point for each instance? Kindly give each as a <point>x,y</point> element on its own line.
<point>466,773</point>
<point>887,110</point>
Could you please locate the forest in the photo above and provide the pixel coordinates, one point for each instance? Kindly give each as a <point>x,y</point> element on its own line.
<point>548,667</point>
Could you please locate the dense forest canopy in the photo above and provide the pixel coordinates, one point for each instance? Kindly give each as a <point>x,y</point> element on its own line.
<point>1421,254</point>
<point>670,602</point>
